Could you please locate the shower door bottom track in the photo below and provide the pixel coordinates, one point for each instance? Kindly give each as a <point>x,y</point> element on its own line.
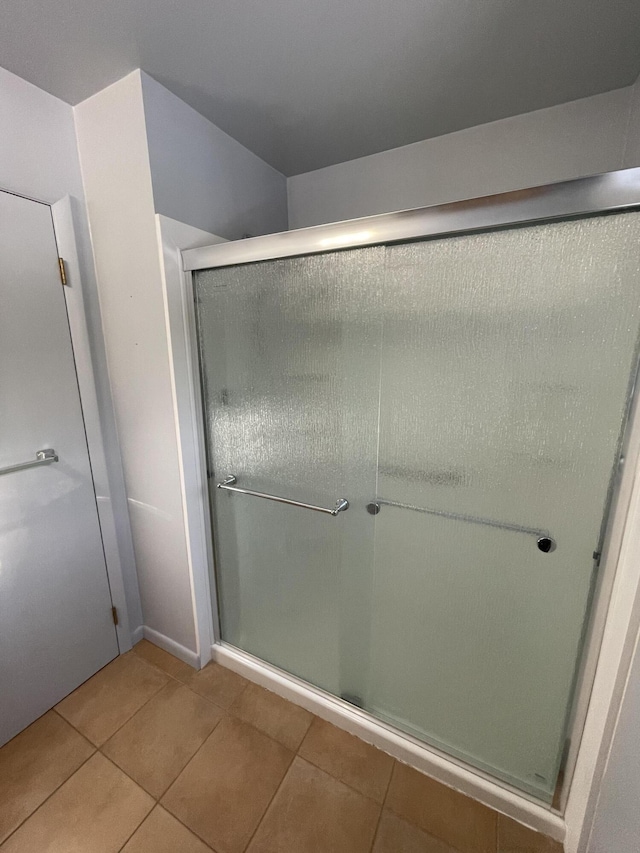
<point>405,748</point>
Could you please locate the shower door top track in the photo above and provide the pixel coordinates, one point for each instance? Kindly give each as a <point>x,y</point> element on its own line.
<point>606,193</point>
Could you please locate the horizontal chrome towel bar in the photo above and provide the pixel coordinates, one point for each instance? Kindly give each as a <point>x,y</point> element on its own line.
<point>229,485</point>
<point>545,543</point>
<point>43,457</point>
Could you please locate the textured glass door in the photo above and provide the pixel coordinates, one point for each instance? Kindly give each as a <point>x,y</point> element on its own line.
<point>467,396</point>
<point>506,366</point>
<point>289,353</point>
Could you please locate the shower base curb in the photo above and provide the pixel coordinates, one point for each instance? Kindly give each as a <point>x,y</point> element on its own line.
<point>397,744</point>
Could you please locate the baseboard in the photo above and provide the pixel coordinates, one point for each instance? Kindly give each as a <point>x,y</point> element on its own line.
<point>169,645</point>
<point>403,747</point>
<point>137,634</point>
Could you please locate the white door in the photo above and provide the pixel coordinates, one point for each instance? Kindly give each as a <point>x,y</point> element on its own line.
<point>56,625</point>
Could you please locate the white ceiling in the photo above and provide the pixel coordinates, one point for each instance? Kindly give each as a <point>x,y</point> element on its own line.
<point>308,83</point>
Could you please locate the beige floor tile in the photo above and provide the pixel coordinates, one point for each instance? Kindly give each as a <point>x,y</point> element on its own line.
<point>225,789</point>
<point>450,816</point>
<point>315,813</point>
<point>348,758</point>
<point>282,720</point>
<point>218,684</point>
<point>397,836</point>
<point>34,764</point>
<point>162,833</point>
<point>158,741</point>
<point>95,811</point>
<point>163,660</point>
<point>515,838</point>
<point>103,703</point>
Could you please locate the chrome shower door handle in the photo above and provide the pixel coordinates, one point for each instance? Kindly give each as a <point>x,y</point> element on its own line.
<point>43,457</point>
<point>544,541</point>
<point>229,485</point>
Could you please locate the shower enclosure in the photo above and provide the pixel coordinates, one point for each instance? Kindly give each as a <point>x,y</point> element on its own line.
<point>414,424</point>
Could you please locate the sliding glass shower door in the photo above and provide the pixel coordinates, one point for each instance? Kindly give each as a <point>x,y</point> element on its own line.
<point>506,365</point>
<point>290,364</point>
<point>466,396</point>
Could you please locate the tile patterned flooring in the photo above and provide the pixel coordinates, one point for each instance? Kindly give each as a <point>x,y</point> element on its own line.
<point>149,756</point>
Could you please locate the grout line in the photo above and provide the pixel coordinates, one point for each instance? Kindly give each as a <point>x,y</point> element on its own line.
<point>294,755</point>
<point>130,717</point>
<point>77,731</point>
<point>421,829</point>
<point>29,816</point>
<point>226,710</point>
<point>235,716</point>
<point>98,749</point>
<point>128,839</point>
<point>137,711</point>
<point>195,692</point>
<point>159,668</point>
<point>384,800</point>
<point>182,769</point>
<point>155,803</point>
<point>296,751</point>
<point>393,770</point>
<point>338,779</point>
<point>377,829</point>
<point>182,823</point>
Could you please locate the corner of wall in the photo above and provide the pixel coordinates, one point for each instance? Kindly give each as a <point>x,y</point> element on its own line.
<point>114,156</point>
<point>203,177</point>
<point>631,157</point>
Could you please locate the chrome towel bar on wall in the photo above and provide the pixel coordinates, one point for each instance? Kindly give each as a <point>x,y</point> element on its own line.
<point>229,485</point>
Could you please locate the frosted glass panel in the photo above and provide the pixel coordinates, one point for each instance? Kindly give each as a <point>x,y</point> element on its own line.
<point>474,388</point>
<point>289,354</point>
<point>505,372</point>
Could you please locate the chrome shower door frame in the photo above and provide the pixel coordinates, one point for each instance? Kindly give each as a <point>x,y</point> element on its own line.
<point>603,666</point>
<point>613,191</point>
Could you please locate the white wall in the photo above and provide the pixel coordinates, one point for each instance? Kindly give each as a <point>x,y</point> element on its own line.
<point>39,158</point>
<point>568,141</point>
<point>203,177</point>
<point>38,155</point>
<point>117,179</point>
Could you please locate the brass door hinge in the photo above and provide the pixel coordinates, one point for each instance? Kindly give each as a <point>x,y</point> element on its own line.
<point>114,614</point>
<point>63,274</point>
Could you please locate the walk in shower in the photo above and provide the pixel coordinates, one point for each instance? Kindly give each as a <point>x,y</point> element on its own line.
<point>414,424</point>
